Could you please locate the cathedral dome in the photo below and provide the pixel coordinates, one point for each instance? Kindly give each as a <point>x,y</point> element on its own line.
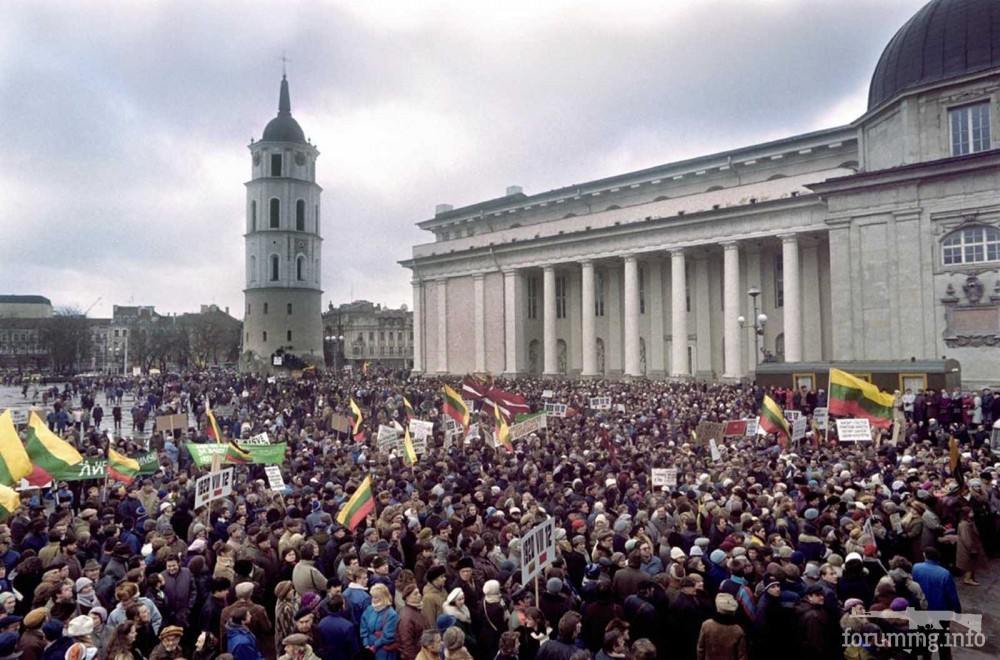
<point>284,128</point>
<point>945,39</point>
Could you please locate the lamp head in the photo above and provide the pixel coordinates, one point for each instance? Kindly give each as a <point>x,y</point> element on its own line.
<point>741,320</point>
<point>762,318</point>
<point>753,292</point>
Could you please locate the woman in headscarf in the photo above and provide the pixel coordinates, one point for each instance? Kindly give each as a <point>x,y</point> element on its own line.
<point>492,620</point>
<point>86,596</point>
<point>284,609</point>
<point>454,605</point>
<point>378,625</point>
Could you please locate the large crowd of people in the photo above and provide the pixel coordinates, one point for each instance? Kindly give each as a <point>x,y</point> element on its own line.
<point>760,549</point>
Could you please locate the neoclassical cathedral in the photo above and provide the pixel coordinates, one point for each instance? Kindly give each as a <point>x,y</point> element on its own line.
<point>283,248</point>
<point>879,240</point>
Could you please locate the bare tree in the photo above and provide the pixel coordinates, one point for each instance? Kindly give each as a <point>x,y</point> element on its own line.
<point>66,337</point>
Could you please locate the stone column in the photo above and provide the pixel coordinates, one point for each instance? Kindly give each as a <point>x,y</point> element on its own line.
<point>418,329</point>
<point>678,315</point>
<point>632,367</point>
<point>479,318</point>
<point>703,319</point>
<point>655,362</point>
<point>442,333</point>
<point>588,337</point>
<point>731,311</point>
<point>510,325</point>
<point>551,359</point>
<point>812,315</point>
<point>841,292</point>
<point>793,298</point>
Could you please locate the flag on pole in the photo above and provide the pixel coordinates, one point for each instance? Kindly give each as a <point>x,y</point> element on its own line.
<point>356,420</point>
<point>237,454</point>
<point>409,454</point>
<point>48,452</point>
<point>122,468</point>
<point>213,427</point>
<point>409,409</point>
<point>772,420</point>
<point>852,397</point>
<point>502,432</point>
<point>455,407</point>
<point>14,462</point>
<point>474,388</point>
<point>9,502</point>
<point>355,510</point>
<point>510,405</point>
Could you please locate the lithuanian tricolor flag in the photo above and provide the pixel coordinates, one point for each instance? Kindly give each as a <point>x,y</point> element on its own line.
<point>122,468</point>
<point>9,501</point>
<point>409,455</point>
<point>236,454</point>
<point>502,432</point>
<point>213,426</point>
<point>355,510</point>
<point>14,462</point>
<point>48,452</point>
<point>455,407</point>
<point>356,420</point>
<point>409,409</point>
<point>852,397</point>
<point>772,420</point>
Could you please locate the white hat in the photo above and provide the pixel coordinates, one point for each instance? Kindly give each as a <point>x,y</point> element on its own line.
<point>676,554</point>
<point>80,626</point>
<point>851,556</point>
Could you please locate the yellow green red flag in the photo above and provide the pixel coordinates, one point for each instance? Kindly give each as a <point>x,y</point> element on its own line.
<point>14,462</point>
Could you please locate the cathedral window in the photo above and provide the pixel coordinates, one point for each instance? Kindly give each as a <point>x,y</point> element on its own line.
<point>275,212</point>
<point>779,281</point>
<point>289,309</point>
<point>288,336</point>
<point>275,164</point>
<point>971,245</point>
<point>253,215</point>
<point>300,268</point>
<point>300,215</point>
<point>561,297</point>
<point>275,267</point>
<point>532,284</point>
<point>599,293</point>
<point>970,128</point>
<point>642,289</point>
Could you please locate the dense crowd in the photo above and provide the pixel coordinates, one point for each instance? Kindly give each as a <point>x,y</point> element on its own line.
<point>764,551</point>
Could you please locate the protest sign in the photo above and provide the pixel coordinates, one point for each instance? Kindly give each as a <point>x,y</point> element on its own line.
<point>538,549</point>
<point>798,429</point>
<point>555,409</point>
<point>274,478</point>
<point>421,429</point>
<point>202,454</point>
<point>547,394</point>
<point>854,430</point>
<point>387,439</point>
<point>341,423</point>
<point>600,403</point>
<point>419,445</point>
<point>709,431</point>
<point>752,427</point>
<point>735,428</point>
<point>212,487</point>
<point>821,416</point>
<point>259,439</point>
<point>472,433</point>
<point>530,424</point>
<point>620,407</point>
<point>171,423</point>
<point>792,415</point>
<point>664,477</point>
<point>714,448</point>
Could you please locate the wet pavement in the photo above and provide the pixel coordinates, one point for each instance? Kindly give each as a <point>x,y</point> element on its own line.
<point>20,406</point>
<point>985,600</point>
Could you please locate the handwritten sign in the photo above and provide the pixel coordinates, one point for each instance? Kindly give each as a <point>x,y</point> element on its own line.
<point>792,415</point>
<point>821,416</point>
<point>854,430</point>
<point>664,477</point>
<point>709,431</point>
<point>421,429</point>
<point>341,423</point>
<point>798,429</point>
<point>538,549</point>
<point>274,478</point>
<point>258,440</point>
<point>212,487</point>
<point>387,438</point>
<point>532,424</point>
<point>600,403</point>
<point>555,409</point>
<point>547,394</point>
<point>752,427</point>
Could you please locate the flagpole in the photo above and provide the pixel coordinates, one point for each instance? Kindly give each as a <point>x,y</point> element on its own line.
<point>829,393</point>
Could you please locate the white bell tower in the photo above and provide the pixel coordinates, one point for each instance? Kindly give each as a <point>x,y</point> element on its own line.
<point>283,246</point>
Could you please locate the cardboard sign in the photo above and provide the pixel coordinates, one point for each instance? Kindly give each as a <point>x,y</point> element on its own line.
<point>752,427</point>
<point>259,439</point>
<point>274,478</point>
<point>555,409</point>
<point>532,424</point>
<point>387,439</point>
<point>798,429</point>
<point>538,549</point>
<point>620,407</point>
<point>451,430</point>
<point>714,448</point>
<point>709,431</point>
<point>341,423</point>
<point>171,422</point>
<point>822,417</point>
<point>600,403</point>
<point>472,433</point>
<point>419,445</point>
<point>664,477</point>
<point>735,428</point>
<point>547,394</point>
<point>792,415</point>
<point>421,429</point>
<point>854,430</point>
<point>212,487</point>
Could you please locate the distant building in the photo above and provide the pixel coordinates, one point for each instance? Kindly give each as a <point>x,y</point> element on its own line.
<point>362,331</point>
<point>25,307</point>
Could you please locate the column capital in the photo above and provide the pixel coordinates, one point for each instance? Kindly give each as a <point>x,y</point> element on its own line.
<point>586,262</point>
<point>633,258</point>
<point>790,237</point>
<point>676,252</point>
<point>479,276</point>
<point>549,268</point>
<point>730,245</point>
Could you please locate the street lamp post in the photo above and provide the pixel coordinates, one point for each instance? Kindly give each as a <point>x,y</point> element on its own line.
<point>759,324</point>
<point>337,341</point>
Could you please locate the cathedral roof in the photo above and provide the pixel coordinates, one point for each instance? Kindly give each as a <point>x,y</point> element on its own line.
<point>945,39</point>
<point>284,128</point>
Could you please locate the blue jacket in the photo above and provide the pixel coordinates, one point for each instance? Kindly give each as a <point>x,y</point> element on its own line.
<point>938,585</point>
<point>337,638</point>
<point>385,621</point>
<point>241,643</point>
<point>359,600</point>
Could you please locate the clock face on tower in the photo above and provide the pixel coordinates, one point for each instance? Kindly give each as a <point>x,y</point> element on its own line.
<point>300,244</point>
<point>300,158</point>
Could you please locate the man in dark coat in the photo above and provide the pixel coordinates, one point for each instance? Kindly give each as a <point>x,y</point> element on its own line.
<point>180,592</point>
<point>688,611</point>
<point>336,637</point>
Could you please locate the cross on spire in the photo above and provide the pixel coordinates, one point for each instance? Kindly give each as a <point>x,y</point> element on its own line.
<point>284,62</point>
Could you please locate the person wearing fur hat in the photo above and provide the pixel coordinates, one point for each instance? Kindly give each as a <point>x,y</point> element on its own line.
<point>434,594</point>
<point>169,647</point>
<point>721,637</point>
<point>411,622</point>
<point>491,619</point>
<point>456,607</point>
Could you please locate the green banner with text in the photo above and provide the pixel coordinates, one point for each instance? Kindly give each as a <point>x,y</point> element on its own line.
<point>259,454</point>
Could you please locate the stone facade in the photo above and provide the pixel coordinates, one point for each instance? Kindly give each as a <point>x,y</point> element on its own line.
<point>361,331</point>
<point>845,233</point>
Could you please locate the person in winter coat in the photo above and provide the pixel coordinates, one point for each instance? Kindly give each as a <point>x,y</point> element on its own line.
<point>297,647</point>
<point>430,645</point>
<point>169,647</point>
<point>491,620</point>
<point>554,602</point>
<point>180,592</point>
<point>32,642</point>
<point>970,554</point>
<point>854,582</point>
<point>356,595</point>
<point>434,593</point>
<point>597,614</point>
<point>455,607</point>
<point>285,608</point>
<point>336,635</point>
<point>379,625</point>
<point>305,576</point>
<point>564,646</point>
<point>240,642</point>
<point>411,623</point>
<point>688,611</point>
<point>454,645</point>
<point>812,625</point>
<point>770,632</point>
<point>721,637</point>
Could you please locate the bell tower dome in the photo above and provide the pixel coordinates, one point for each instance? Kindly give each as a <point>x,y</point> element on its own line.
<point>282,316</point>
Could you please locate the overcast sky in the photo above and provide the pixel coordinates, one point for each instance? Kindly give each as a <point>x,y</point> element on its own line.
<point>125,126</point>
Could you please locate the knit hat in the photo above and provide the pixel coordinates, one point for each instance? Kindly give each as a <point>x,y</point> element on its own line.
<point>453,595</point>
<point>851,602</point>
<point>491,591</point>
<point>82,583</point>
<point>445,621</point>
<point>676,554</point>
<point>310,601</point>
<point>696,551</point>
<point>101,612</point>
<point>898,604</point>
<point>171,631</point>
<point>725,603</point>
<point>465,562</point>
<point>283,588</point>
<point>554,585</point>
<point>852,556</point>
<point>717,556</point>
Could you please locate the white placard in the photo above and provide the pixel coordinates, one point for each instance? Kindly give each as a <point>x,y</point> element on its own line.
<point>274,478</point>
<point>259,439</point>
<point>213,486</point>
<point>472,433</point>
<point>664,477</point>
<point>792,415</point>
<point>821,416</point>
<point>600,403</point>
<point>419,445</point>
<point>531,425</point>
<point>421,429</point>
<point>620,407</point>
<point>387,438</point>
<point>555,409</point>
<point>714,448</point>
<point>538,549</point>
<point>854,430</point>
<point>751,427</point>
<point>798,429</point>
<point>548,394</point>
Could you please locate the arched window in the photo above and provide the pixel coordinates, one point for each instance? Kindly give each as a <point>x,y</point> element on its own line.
<point>253,268</point>
<point>275,213</point>
<point>275,267</point>
<point>300,215</point>
<point>253,215</point>
<point>779,347</point>
<point>300,268</point>
<point>971,245</point>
